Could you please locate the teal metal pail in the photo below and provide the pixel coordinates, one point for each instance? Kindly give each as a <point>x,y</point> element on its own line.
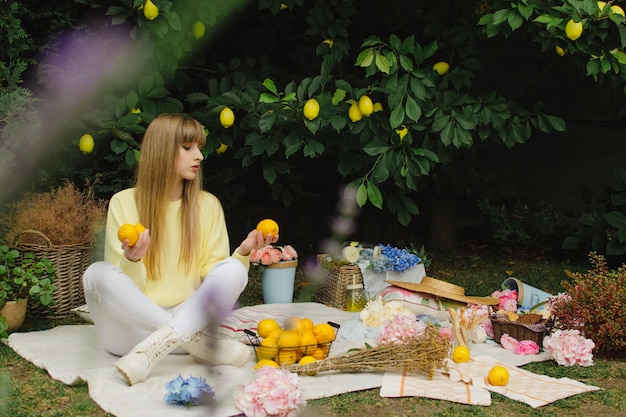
<point>278,280</point>
<point>528,296</point>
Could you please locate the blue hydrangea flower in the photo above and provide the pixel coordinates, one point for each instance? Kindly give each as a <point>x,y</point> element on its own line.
<point>393,259</point>
<point>188,392</point>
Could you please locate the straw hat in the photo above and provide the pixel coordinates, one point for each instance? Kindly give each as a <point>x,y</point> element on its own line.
<point>443,289</point>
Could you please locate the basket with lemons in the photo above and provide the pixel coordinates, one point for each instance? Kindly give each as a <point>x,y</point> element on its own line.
<point>298,340</point>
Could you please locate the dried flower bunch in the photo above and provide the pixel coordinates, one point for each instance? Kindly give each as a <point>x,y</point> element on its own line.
<point>66,215</point>
<point>593,303</point>
<point>415,354</point>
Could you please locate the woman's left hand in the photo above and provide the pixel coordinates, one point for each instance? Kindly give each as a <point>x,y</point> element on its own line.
<point>255,240</point>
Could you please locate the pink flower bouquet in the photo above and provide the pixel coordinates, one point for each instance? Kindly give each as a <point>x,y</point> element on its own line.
<point>272,254</point>
<point>274,392</point>
<point>507,299</point>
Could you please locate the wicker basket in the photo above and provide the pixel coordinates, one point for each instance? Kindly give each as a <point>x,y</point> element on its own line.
<point>70,261</point>
<point>334,278</point>
<point>255,341</point>
<point>535,332</point>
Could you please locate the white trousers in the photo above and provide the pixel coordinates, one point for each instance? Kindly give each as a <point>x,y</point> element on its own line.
<point>123,315</point>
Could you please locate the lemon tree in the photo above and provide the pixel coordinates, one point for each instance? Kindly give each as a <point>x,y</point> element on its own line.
<point>390,114</point>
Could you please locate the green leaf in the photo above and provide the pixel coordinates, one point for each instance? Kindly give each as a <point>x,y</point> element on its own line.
<point>267,121</point>
<point>313,125</point>
<point>338,96</point>
<point>406,63</point>
<point>544,18</point>
<point>361,195</point>
<point>525,10</point>
<point>413,110</point>
<point>269,84</point>
<point>620,56</point>
<point>269,174</point>
<point>515,20</point>
<point>501,16</point>
<point>397,116</point>
<point>268,98</point>
<point>382,63</point>
<point>365,58</point>
<point>374,195</point>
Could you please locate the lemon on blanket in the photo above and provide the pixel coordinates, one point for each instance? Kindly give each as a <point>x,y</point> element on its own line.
<point>265,362</point>
<point>460,354</point>
<point>498,376</point>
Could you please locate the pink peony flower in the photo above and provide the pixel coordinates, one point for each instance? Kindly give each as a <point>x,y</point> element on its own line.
<point>524,347</point>
<point>288,253</point>
<point>569,347</point>
<point>274,392</point>
<point>527,347</point>
<point>508,342</point>
<point>507,299</point>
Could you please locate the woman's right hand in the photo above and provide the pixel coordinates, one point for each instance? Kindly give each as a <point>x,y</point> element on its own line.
<point>136,252</point>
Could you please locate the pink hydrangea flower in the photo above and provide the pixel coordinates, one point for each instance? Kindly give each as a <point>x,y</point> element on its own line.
<point>401,328</point>
<point>569,347</point>
<point>274,392</point>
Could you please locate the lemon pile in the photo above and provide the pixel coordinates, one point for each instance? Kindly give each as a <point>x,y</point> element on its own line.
<point>297,340</point>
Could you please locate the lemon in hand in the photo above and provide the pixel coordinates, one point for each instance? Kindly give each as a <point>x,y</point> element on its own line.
<point>227,117</point>
<point>573,30</point>
<point>311,109</point>
<point>267,226</point>
<point>461,354</point>
<point>498,376</point>
<point>128,231</point>
<point>86,143</point>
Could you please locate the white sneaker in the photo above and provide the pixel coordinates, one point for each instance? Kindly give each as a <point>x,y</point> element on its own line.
<point>216,350</point>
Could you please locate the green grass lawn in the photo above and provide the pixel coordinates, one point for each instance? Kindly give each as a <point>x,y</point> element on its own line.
<point>27,391</point>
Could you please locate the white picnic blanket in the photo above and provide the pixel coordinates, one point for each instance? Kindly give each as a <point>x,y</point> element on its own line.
<point>72,354</point>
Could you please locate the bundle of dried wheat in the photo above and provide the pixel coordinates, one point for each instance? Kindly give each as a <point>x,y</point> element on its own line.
<point>421,354</point>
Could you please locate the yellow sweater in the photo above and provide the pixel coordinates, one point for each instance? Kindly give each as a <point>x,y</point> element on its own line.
<point>174,285</point>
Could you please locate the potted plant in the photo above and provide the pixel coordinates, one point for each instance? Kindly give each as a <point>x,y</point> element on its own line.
<point>23,278</point>
<point>61,225</point>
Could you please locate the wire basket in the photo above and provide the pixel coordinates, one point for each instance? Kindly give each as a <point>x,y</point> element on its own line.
<point>534,332</point>
<point>335,276</point>
<point>70,262</point>
<point>290,355</point>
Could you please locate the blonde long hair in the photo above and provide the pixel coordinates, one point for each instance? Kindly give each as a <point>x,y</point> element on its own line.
<point>156,175</point>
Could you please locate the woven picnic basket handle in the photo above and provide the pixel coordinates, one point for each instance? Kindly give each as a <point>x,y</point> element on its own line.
<point>34,232</point>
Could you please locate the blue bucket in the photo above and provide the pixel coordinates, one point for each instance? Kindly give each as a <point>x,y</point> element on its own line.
<point>528,296</point>
<point>278,280</point>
